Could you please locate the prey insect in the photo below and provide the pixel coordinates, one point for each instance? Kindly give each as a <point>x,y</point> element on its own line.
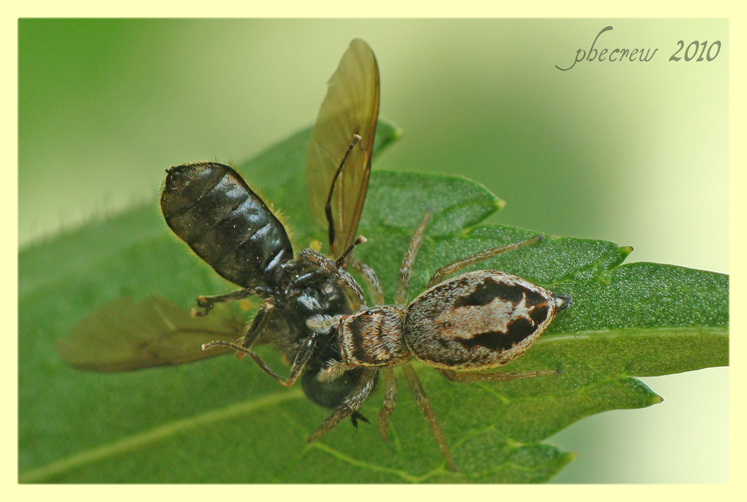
<point>212,209</point>
<point>472,322</point>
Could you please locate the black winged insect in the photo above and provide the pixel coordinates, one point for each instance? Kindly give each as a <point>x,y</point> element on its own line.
<point>211,208</point>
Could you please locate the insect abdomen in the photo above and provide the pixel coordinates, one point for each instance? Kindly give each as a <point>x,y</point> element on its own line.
<point>478,320</point>
<point>210,207</point>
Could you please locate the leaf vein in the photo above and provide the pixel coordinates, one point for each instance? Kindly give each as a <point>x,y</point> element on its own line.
<point>160,433</point>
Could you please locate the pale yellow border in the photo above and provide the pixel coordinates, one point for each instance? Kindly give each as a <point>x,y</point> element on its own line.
<point>382,8</point>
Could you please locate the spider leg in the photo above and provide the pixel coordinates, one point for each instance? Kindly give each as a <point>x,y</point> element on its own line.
<point>425,406</point>
<point>452,267</point>
<point>371,280</point>
<point>342,276</point>
<point>334,370</point>
<point>405,270</point>
<point>390,399</point>
<point>468,376</point>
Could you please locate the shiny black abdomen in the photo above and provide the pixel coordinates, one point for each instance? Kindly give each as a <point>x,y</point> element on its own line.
<point>210,207</point>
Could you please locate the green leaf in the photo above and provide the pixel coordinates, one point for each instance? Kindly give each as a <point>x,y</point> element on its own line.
<point>223,420</point>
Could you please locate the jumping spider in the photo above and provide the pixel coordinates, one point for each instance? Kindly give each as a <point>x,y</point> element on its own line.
<point>475,321</point>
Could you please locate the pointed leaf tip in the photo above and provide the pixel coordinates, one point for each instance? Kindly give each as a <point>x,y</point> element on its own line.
<point>655,399</point>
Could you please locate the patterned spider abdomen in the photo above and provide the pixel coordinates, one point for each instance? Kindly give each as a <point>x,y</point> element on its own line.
<point>373,337</point>
<point>478,320</point>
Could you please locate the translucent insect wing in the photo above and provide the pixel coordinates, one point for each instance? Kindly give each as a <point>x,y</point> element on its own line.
<point>350,107</point>
<point>127,335</point>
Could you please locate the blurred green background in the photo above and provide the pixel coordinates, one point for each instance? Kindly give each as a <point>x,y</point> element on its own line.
<point>631,152</point>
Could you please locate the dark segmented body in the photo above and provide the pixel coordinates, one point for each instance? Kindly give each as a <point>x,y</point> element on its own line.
<point>211,208</point>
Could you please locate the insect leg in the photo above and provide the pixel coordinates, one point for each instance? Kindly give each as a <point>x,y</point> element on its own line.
<point>302,358</point>
<point>467,376</point>
<point>328,204</point>
<point>206,303</point>
<point>390,399</point>
<point>258,326</point>
<point>405,270</point>
<point>425,406</point>
<point>349,405</point>
<point>343,278</point>
<point>340,262</point>
<point>259,323</point>
<point>478,257</point>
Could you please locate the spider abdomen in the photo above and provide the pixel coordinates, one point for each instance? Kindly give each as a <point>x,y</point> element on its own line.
<point>478,320</point>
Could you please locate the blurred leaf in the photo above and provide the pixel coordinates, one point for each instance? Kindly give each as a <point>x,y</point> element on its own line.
<point>222,420</point>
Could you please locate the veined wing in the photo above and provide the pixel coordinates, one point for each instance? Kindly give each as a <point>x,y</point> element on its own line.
<point>127,335</point>
<point>351,107</point>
